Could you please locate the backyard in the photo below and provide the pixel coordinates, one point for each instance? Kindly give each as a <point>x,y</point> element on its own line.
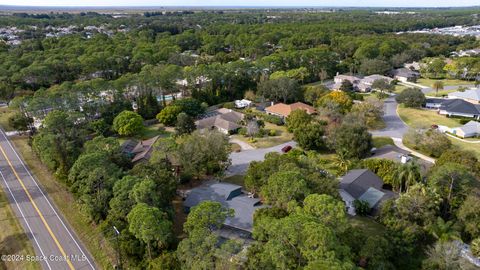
<point>282,136</point>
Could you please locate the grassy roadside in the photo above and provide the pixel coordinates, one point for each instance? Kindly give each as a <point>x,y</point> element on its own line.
<point>446,82</point>
<point>90,235</point>
<point>13,240</point>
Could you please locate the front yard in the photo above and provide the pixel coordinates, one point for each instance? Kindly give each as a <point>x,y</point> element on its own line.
<point>446,82</point>
<point>282,136</point>
<point>422,118</point>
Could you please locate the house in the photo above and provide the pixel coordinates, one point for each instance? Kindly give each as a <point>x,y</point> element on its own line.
<point>363,185</point>
<point>391,152</point>
<point>139,151</point>
<point>405,75</point>
<point>470,129</point>
<point>224,120</point>
<point>459,108</point>
<point>244,103</point>
<point>230,196</point>
<point>361,84</point>
<point>284,110</point>
<point>433,103</point>
<point>472,95</point>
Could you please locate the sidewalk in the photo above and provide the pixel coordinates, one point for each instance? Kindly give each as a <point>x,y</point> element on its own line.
<point>398,142</point>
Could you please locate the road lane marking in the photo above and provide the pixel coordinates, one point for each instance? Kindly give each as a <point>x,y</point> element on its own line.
<point>25,219</point>
<point>46,198</point>
<point>70,265</point>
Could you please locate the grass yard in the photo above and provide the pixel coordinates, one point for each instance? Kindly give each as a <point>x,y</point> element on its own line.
<point>235,179</point>
<point>282,136</point>
<point>90,235</point>
<point>154,130</point>
<point>399,88</point>
<point>446,82</point>
<point>421,118</point>
<point>382,141</point>
<point>369,226</point>
<point>441,93</point>
<point>13,240</point>
<point>474,147</point>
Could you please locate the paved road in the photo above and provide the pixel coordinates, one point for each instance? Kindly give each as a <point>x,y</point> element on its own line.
<point>54,242</point>
<point>240,160</point>
<point>395,127</point>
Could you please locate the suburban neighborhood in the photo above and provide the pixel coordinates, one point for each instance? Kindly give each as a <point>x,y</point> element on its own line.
<point>239,138</point>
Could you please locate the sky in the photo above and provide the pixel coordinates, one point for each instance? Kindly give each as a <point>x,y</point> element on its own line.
<point>320,3</point>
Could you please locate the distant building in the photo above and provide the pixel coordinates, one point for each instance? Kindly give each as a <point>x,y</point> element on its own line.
<point>139,151</point>
<point>360,84</point>
<point>471,95</point>
<point>230,196</point>
<point>244,103</point>
<point>405,75</point>
<point>223,120</point>
<point>470,129</point>
<point>284,110</point>
<point>363,185</point>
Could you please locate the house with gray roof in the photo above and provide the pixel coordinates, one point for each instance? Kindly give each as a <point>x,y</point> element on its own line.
<point>139,151</point>
<point>405,75</point>
<point>459,108</point>
<point>230,196</point>
<point>224,120</point>
<point>360,83</point>
<point>470,129</point>
<point>433,103</point>
<point>364,185</point>
<point>391,152</point>
<point>471,95</point>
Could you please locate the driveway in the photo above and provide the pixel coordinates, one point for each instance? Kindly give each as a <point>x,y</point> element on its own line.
<point>241,160</point>
<point>395,127</point>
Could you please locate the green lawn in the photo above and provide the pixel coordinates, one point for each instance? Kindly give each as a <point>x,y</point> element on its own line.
<point>368,226</point>
<point>154,130</point>
<point>5,113</point>
<point>421,118</point>
<point>13,239</point>
<point>282,136</point>
<point>440,93</point>
<point>429,82</point>
<point>474,147</point>
<point>382,141</point>
<point>399,88</point>
<point>235,179</point>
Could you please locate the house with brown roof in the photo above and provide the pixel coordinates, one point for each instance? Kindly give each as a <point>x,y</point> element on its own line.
<point>139,151</point>
<point>224,120</point>
<point>284,110</point>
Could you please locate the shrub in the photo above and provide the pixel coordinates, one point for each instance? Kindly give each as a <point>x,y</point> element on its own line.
<point>384,168</point>
<point>362,208</point>
<point>242,131</point>
<point>475,246</point>
<point>229,105</point>
<point>272,132</point>
<point>430,142</point>
<point>273,119</point>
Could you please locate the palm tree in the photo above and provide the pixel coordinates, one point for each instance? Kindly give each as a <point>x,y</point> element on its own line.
<point>406,175</point>
<point>342,162</point>
<point>437,85</point>
<point>444,231</point>
<point>475,247</point>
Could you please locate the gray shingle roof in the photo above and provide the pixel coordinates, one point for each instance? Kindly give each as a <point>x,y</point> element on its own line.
<point>472,127</point>
<point>460,106</point>
<point>357,182</point>
<point>473,94</point>
<point>230,196</point>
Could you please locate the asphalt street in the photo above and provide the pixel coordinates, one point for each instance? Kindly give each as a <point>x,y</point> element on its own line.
<point>395,128</point>
<point>55,243</point>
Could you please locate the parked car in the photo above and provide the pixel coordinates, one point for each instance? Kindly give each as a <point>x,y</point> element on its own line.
<point>286,148</point>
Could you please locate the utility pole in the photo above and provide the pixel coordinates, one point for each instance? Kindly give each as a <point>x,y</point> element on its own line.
<point>119,256</point>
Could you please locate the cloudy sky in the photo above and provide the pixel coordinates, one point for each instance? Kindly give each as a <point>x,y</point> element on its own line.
<point>358,3</point>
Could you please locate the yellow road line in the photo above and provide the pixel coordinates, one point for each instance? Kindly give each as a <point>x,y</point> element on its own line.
<point>38,210</point>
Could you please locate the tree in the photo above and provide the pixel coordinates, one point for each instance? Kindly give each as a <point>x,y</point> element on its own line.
<point>475,247</point>
<point>437,85</point>
<point>382,85</point>
<point>311,137</point>
<point>207,215</point>
<point>148,106</point>
<point>463,157</point>
<point>283,187</point>
<point>444,256</point>
<point>469,215</point>
<point>369,111</point>
<point>374,66</point>
<point>444,231</point>
<point>313,93</point>
<point>346,86</point>
<point>430,142</point>
<point>91,179</point>
<point>190,106</point>
<point>362,207</point>
<point>322,75</point>
<point>168,116</point>
<point>351,140</point>
<point>121,204</point>
<point>339,98</point>
<point>297,119</point>
<point>406,175</point>
<point>283,89</point>
<point>452,182</point>
<point>20,122</point>
<point>204,152</point>
<point>150,225</point>
<point>411,97</point>
<point>128,123</point>
<point>253,128</point>
<point>184,124</point>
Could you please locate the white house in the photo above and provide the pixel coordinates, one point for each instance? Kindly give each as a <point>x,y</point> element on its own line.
<point>244,103</point>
